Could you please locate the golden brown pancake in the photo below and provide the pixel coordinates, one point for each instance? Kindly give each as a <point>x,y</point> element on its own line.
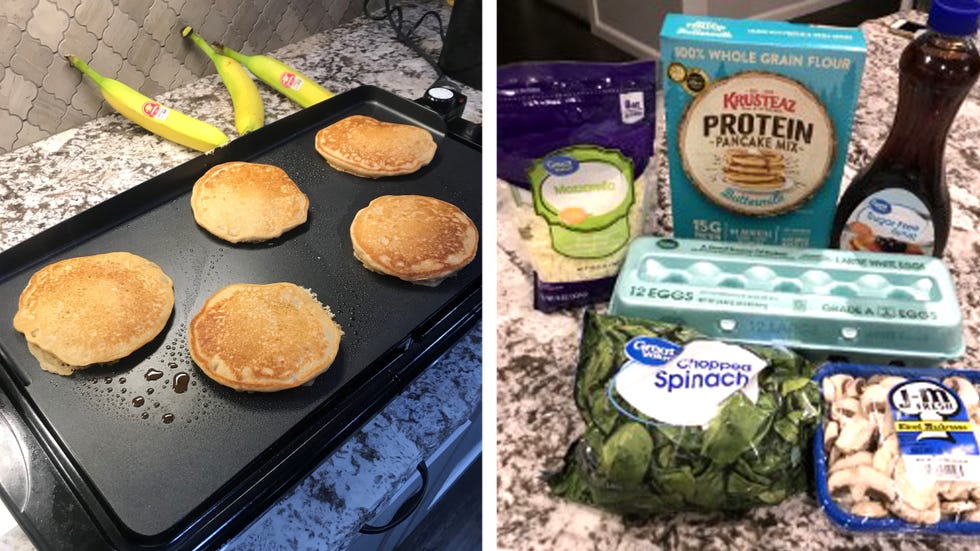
<point>413,237</point>
<point>760,169</point>
<point>93,309</point>
<point>263,338</point>
<point>758,157</point>
<point>370,148</point>
<point>247,202</point>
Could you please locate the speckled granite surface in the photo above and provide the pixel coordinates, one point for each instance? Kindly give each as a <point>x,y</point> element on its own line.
<point>537,419</point>
<point>56,178</point>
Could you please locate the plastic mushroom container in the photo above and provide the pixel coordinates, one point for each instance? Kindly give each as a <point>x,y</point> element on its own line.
<point>897,449</point>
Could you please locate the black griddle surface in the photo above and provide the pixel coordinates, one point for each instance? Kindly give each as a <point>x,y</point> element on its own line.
<point>151,476</point>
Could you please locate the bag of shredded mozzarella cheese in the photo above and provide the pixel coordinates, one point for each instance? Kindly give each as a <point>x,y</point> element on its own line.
<point>676,421</point>
<point>575,141</point>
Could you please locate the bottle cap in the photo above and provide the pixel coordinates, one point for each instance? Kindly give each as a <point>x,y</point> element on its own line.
<point>956,17</point>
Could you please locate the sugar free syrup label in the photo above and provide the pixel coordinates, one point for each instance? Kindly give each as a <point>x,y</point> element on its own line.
<point>892,220</point>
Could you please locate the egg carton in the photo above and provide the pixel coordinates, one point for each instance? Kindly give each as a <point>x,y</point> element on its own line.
<point>826,304</point>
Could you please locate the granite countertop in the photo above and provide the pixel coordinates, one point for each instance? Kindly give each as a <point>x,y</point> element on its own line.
<point>537,354</point>
<point>56,178</point>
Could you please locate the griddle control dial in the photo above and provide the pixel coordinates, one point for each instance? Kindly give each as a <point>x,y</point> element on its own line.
<point>447,102</point>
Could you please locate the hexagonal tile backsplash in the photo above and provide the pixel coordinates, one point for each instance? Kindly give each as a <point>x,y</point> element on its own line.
<point>135,41</point>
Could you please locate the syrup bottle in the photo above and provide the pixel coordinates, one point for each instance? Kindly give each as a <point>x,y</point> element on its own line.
<point>899,202</point>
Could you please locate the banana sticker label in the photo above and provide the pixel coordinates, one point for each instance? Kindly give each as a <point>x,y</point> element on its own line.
<point>290,80</point>
<point>154,110</point>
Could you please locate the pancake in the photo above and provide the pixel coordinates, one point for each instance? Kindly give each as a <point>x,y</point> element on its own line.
<point>370,148</point>
<point>263,338</point>
<point>247,202</point>
<point>754,157</point>
<point>755,169</point>
<point>93,309</point>
<point>414,238</point>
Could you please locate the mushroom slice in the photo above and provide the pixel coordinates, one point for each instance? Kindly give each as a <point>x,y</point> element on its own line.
<point>904,511</point>
<point>957,507</point>
<point>845,409</point>
<point>853,387</point>
<point>829,392</point>
<point>886,426</point>
<point>871,509</point>
<point>955,491</point>
<point>874,398</point>
<point>836,383</point>
<point>830,433</point>
<point>851,461</point>
<point>886,455</point>
<point>916,500</point>
<point>888,383</point>
<point>855,435</point>
<point>858,482</point>
<point>967,392</point>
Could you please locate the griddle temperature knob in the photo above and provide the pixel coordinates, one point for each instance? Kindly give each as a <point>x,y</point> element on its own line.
<point>445,101</point>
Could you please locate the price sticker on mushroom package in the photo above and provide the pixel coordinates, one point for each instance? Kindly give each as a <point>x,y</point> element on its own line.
<point>898,449</point>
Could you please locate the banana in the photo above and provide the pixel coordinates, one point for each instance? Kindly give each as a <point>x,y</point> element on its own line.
<point>249,111</point>
<point>288,81</point>
<point>151,115</point>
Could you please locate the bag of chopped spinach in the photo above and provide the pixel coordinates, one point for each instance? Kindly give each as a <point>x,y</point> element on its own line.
<point>677,421</point>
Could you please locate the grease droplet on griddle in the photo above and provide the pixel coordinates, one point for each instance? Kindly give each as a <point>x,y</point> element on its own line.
<point>108,380</point>
<point>145,415</point>
<point>138,401</point>
<point>172,365</point>
<point>180,382</point>
<point>149,391</point>
<point>153,374</point>
<point>168,418</point>
<point>122,380</point>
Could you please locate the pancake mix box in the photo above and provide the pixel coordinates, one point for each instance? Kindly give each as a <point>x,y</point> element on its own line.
<point>758,118</point>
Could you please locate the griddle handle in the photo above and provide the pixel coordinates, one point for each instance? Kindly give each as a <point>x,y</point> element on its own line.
<point>407,508</point>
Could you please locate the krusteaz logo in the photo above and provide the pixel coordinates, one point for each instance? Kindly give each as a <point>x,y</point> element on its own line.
<point>705,28</point>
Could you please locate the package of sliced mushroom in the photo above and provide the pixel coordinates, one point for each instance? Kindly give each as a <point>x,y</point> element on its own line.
<point>897,449</point>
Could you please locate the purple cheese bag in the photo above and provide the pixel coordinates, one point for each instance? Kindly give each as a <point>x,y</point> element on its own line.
<point>574,141</point>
